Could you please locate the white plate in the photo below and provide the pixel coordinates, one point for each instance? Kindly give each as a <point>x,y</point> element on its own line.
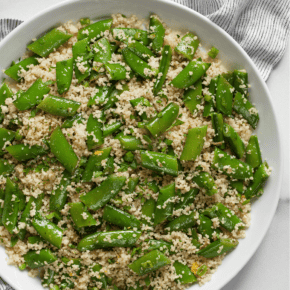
<point>179,17</point>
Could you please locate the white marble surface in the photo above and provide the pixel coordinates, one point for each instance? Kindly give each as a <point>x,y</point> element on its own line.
<point>269,267</point>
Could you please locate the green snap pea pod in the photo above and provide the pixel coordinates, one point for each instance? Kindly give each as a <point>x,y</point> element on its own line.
<point>218,248</point>
<point>15,70</point>
<point>2,198</point>
<point>23,152</point>
<point>241,82</point>
<point>229,77</point>
<point>150,262</point>
<point>81,216</point>
<point>140,49</point>
<point>64,74</point>
<point>184,273</point>
<point>142,101</point>
<point>224,96</point>
<point>190,74</point>
<point>205,180</point>
<point>160,245</point>
<point>59,106</point>
<point>95,134</point>
<point>102,279</point>
<point>112,239</point>
<point>194,143</point>
<point>218,126</point>
<point>238,185</point>
<point>6,136</point>
<point>63,151</point>
<point>246,109</point>
<point>157,33</point>
<point>260,176</point>
<point>181,223</point>
<point>187,45</point>
<point>113,97</point>
<point>124,34</point>
<point>228,220</point>
<point>109,129</point>
<point>85,21</point>
<point>101,195</point>
<point>94,163</point>
<point>164,204</point>
<point>132,183</point>
<point>209,102</point>
<point>164,65</point>
<point>69,121</point>
<point>37,259</point>
<point>5,92</point>
<point>49,42</point>
<point>100,97</point>
<point>148,210</point>
<point>39,201</point>
<point>58,197</point>
<point>5,167</point>
<point>234,140</point>
<point>130,143</point>
<point>120,218</point>
<point>205,227</point>
<point>11,206</point>
<point>109,167</point>
<point>138,65</point>
<point>194,240</point>
<point>102,51</point>
<point>48,278</point>
<point>116,71</point>
<point>25,218</point>
<point>159,162</point>
<point>213,52</point>
<point>32,96</point>
<point>253,152</point>
<point>95,30</point>
<point>192,97</point>
<point>187,199</point>
<point>48,230</point>
<point>231,166</point>
<point>163,120</point>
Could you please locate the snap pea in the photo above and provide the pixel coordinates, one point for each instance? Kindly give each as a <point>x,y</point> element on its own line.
<point>148,210</point>
<point>113,97</point>
<point>241,82</point>
<point>205,226</point>
<point>32,96</point>
<point>150,262</point>
<point>109,167</point>
<point>187,45</point>
<point>184,273</point>
<point>11,206</point>
<point>48,230</point>
<point>194,143</point>
<point>130,143</point>
<point>100,97</point>
<point>109,129</point>
<point>213,52</point>
<point>69,121</point>
<point>186,199</point>
<point>246,109</point>
<point>234,140</point>
<point>231,166</point>
<point>164,65</point>
<point>35,240</point>
<point>64,74</point>
<point>195,239</point>
<point>192,97</point>
<point>138,65</point>
<point>95,134</point>
<point>39,258</point>
<point>6,137</point>
<point>102,50</point>
<point>95,30</point>
<point>132,183</point>
<point>101,195</point>
<point>25,218</point>
<point>218,248</point>
<point>156,34</point>
<point>5,167</point>
<point>2,198</point>
<point>164,204</point>
<point>63,151</point>
<point>15,70</point>
<point>59,106</point>
<point>111,239</point>
<point>181,223</point>
<point>224,96</point>
<point>209,105</point>
<point>5,92</point>
<point>205,180</point>
<point>163,120</point>
<point>120,218</point>
<point>81,216</point>
<point>23,152</point>
<point>94,163</point>
<point>116,71</point>
<point>190,74</point>
<point>229,77</point>
<point>141,50</point>
<point>253,152</point>
<point>159,162</point>
<point>260,176</point>
<point>126,34</point>
<point>49,42</point>
<point>160,245</point>
<point>218,126</point>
